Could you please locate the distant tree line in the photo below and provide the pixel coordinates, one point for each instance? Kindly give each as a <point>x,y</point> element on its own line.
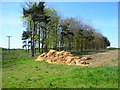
<point>45,30</point>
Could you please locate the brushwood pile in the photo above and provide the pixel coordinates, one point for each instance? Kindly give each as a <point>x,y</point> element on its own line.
<point>63,57</point>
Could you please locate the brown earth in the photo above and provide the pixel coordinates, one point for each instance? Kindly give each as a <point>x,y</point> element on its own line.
<point>108,58</point>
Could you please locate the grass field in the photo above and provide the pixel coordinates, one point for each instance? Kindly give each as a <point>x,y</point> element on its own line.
<point>25,72</point>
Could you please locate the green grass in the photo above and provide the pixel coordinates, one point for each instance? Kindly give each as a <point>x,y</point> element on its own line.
<point>113,48</point>
<point>14,54</point>
<point>28,73</point>
<point>20,70</point>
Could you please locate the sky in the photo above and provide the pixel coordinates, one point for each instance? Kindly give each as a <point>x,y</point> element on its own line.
<point>62,0</point>
<point>103,16</point>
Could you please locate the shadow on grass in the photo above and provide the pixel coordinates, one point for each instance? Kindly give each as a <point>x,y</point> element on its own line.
<point>87,52</point>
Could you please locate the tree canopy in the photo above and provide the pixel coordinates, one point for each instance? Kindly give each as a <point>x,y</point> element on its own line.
<point>46,30</point>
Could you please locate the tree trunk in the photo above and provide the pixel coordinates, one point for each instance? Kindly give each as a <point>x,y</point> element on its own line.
<point>33,43</point>
<point>42,40</point>
<point>56,39</point>
<point>45,41</point>
<point>31,36</point>
<point>39,37</point>
<point>28,45</point>
<point>62,43</point>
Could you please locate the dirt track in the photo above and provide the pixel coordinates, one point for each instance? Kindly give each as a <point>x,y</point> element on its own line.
<point>109,58</point>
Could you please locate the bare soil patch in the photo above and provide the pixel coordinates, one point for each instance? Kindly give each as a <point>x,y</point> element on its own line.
<point>108,58</point>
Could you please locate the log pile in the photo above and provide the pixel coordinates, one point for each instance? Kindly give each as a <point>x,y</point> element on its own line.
<point>63,57</point>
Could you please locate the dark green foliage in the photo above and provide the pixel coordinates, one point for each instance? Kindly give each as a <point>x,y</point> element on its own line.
<point>49,31</point>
